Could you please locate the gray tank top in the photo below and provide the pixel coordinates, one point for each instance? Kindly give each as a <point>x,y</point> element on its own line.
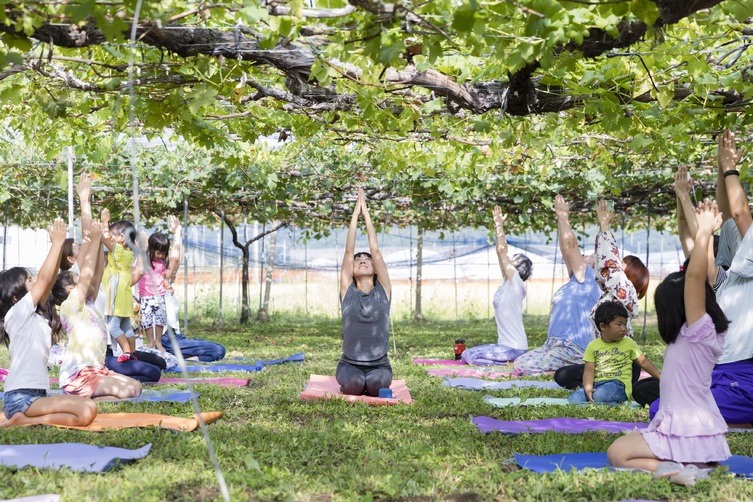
<point>366,325</point>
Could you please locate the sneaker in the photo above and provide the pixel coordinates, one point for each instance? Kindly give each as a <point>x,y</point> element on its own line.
<point>668,469</point>
<point>688,476</point>
<point>128,356</point>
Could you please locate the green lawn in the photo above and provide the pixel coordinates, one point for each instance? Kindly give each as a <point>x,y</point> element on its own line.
<point>273,446</point>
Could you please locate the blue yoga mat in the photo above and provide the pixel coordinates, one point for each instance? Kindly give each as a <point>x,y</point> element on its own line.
<point>737,464</point>
<point>148,395</point>
<point>219,367</point>
<point>253,366</point>
<point>75,456</point>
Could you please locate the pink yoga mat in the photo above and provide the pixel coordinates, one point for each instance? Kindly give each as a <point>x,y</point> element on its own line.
<point>326,387</point>
<point>469,372</point>
<point>440,362</point>
<point>223,381</point>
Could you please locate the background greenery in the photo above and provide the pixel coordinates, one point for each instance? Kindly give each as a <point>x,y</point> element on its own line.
<point>273,446</point>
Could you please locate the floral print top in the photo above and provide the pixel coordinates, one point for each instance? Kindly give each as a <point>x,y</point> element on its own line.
<point>615,285</point>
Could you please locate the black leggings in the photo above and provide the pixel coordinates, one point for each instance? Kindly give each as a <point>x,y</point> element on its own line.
<point>357,380</point>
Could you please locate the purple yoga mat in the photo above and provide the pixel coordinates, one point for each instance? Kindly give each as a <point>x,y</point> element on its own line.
<point>440,362</point>
<point>564,425</point>
<point>469,372</point>
<point>75,456</point>
<point>479,384</point>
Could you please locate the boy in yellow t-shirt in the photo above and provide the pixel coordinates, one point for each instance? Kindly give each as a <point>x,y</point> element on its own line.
<point>608,375</point>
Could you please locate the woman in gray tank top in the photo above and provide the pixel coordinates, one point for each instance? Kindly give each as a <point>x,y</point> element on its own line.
<point>365,294</point>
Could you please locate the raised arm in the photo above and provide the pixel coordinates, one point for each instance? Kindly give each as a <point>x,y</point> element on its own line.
<point>380,268</point>
<point>83,188</point>
<point>686,224</point>
<point>107,239</point>
<point>729,189</point>
<point>708,218</point>
<point>176,247</point>
<point>346,271</point>
<point>89,266</point>
<point>608,265</point>
<point>48,272</point>
<point>140,258</point>
<point>506,265</point>
<point>574,261</point>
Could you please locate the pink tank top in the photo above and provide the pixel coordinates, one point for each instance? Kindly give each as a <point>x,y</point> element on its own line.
<point>152,283</point>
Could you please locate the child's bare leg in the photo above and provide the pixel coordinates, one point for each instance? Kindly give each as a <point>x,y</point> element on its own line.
<point>158,337</point>
<point>123,343</point>
<point>132,344</point>
<point>632,451</point>
<point>149,332</point>
<point>117,386</point>
<point>57,410</point>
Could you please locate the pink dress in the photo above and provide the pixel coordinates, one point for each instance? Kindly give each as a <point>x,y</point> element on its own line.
<point>688,426</point>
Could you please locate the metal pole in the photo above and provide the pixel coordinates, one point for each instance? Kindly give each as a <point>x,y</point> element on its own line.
<point>71,232</point>
<point>222,256</point>
<point>648,235</point>
<point>5,234</point>
<point>185,265</point>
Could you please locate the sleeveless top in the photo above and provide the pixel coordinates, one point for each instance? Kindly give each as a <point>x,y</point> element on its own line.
<point>366,326</point>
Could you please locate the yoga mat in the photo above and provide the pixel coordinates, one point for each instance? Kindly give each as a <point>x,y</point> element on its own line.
<point>222,381</point>
<point>219,367</point>
<point>47,497</point>
<point>737,464</point>
<point>469,372</point>
<point>148,395</point>
<point>127,420</point>
<point>478,384</point>
<point>563,425</point>
<point>326,387</point>
<point>75,456</point>
<point>440,362</point>
<point>503,402</point>
<point>295,358</point>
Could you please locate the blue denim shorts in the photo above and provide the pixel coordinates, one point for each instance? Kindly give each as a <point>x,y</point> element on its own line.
<point>19,400</point>
<point>117,326</point>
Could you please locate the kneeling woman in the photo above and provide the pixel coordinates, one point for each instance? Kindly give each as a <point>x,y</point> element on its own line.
<point>83,372</point>
<point>365,292</point>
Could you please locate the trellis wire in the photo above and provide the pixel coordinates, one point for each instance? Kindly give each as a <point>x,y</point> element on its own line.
<point>178,353</point>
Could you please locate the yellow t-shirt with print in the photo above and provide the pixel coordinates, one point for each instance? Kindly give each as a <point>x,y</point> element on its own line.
<point>117,279</point>
<point>613,361</point>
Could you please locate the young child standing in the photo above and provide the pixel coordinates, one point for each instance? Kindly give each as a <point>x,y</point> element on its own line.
<point>163,263</point>
<point>27,335</point>
<point>688,429</point>
<point>608,375</point>
<point>83,372</point>
<point>118,278</point>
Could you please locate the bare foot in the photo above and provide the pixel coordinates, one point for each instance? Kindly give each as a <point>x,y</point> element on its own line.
<point>17,419</point>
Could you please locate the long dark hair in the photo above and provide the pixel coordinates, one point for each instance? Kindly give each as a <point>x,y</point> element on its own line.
<point>59,292</point>
<point>158,243</point>
<point>67,253</point>
<point>669,300</point>
<point>12,289</point>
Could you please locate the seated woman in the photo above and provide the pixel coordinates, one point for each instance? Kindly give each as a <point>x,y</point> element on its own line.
<point>621,280</point>
<point>570,328</point>
<point>365,292</point>
<point>508,305</point>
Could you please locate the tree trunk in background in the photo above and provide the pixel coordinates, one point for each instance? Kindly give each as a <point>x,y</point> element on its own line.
<point>418,316</point>
<point>263,314</point>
